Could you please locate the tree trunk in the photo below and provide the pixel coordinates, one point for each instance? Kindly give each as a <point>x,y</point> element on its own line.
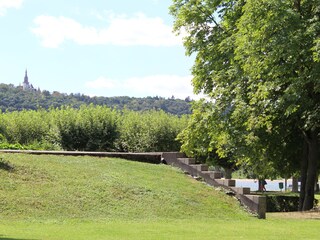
<point>316,185</point>
<point>295,187</point>
<point>227,173</point>
<point>285,184</point>
<point>260,185</point>
<point>303,174</point>
<point>313,156</point>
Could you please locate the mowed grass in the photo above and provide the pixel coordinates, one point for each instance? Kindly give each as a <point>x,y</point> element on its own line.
<point>55,187</point>
<point>206,229</point>
<point>55,197</point>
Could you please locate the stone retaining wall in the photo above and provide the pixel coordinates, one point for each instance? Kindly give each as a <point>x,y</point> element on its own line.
<point>154,158</point>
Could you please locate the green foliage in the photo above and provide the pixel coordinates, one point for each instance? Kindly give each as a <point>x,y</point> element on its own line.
<point>196,137</point>
<point>34,146</point>
<point>15,99</point>
<point>259,64</point>
<point>281,203</point>
<point>16,146</point>
<point>150,131</point>
<point>205,139</point>
<point>25,127</point>
<point>90,128</point>
<point>284,202</point>
<point>256,64</point>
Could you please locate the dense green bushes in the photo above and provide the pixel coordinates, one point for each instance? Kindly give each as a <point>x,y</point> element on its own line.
<point>24,127</point>
<point>149,131</point>
<point>284,203</point>
<point>90,128</point>
<point>280,203</point>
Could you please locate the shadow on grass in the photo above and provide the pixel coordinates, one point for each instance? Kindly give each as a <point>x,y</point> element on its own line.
<point>2,237</point>
<point>5,165</point>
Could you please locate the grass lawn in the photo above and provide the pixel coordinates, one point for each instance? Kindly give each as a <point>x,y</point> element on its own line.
<point>54,197</point>
<point>170,229</point>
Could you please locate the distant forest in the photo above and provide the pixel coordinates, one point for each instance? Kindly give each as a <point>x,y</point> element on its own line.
<point>14,98</point>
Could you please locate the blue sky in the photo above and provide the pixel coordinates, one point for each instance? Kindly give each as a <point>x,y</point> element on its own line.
<point>97,47</point>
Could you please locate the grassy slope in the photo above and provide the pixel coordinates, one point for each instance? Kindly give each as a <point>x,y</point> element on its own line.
<point>49,197</point>
<point>53,187</point>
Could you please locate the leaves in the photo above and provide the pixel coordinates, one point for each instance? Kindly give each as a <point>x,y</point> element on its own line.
<point>260,65</point>
<point>14,98</point>
<point>91,128</point>
<point>152,131</point>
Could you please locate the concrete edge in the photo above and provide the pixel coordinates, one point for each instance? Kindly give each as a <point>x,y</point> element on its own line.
<point>154,158</point>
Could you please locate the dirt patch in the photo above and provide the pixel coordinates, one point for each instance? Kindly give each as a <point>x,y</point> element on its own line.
<point>313,214</point>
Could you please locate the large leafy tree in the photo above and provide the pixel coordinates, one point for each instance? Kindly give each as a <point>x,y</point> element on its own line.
<point>259,62</point>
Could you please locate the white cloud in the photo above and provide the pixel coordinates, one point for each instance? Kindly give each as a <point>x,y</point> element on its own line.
<point>102,83</point>
<point>121,30</point>
<point>157,85</point>
<point>5,4</point>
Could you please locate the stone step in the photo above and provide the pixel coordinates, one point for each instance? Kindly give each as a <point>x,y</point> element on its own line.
<point>213,174</point>
<point>241,190</point>
<point>201,167</point>
<point>227,182</point>
<point>188,161</point>
<point>180,155</point>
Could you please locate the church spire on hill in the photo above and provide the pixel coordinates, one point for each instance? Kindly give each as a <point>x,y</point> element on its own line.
<point>26,85</point>
<point>26,80</point>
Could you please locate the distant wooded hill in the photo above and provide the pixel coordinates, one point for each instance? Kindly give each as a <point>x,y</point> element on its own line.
<point>14,98</point>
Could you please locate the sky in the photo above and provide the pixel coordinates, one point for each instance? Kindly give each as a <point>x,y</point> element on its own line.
<point>97,47</point>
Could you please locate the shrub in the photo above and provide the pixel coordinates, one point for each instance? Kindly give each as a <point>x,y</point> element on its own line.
<point>90,128</point>
<point>150,131</point>
<point>25,127</point>
<point>281,203</point>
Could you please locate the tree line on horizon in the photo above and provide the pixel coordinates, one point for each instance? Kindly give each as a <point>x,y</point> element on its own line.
<point>14,98</point>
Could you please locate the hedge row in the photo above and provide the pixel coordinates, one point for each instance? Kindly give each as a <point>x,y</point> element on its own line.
<point>281,203</point>
<point>91,128</point>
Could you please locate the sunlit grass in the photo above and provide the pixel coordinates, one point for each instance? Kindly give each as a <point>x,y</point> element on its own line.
<point>55,187</point>
<point>54,197</point>
<point>204,229</point>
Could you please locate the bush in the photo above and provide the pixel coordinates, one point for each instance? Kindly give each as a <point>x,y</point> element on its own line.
<point>27,128</point>
<point>90,128</point>
<point>281,203</point>
<point>150,131</point>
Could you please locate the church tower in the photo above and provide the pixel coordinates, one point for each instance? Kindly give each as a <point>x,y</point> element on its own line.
<point>26,80</point>
<point>26,85</point>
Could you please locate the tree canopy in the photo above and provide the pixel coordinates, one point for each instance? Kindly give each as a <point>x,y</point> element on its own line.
<point>15,98</point>
<point>259,63</point>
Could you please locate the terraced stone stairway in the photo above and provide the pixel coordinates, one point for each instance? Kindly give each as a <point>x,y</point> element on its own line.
<point>255,203</point>
<point>215,175</point>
